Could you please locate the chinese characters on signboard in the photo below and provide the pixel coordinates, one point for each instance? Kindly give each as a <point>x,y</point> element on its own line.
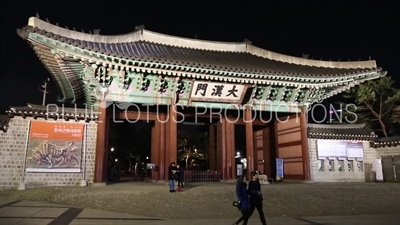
<point>54,147</point>
<point>217,92</point>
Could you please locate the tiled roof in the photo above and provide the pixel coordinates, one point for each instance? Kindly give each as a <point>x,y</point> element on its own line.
<point>37,111</point>
<point>4,120</point>
<point>386,141</point>
<point>203,59</point>
<point>66,53</point>
<point>340,131</point>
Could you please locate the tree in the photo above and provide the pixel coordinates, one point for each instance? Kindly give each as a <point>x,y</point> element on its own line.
<point>395,118</point>
<point>376,103</point>
<point>192,148</point>
<point>128,141</point>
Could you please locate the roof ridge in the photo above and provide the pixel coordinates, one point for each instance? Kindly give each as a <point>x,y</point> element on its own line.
<point>388,139</point>
<point>139,34</point>
<point>142,34</point>
<point>348,126</point>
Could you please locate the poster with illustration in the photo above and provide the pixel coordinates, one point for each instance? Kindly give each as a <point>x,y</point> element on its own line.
<point>54,147</point>
<point>279,169</point>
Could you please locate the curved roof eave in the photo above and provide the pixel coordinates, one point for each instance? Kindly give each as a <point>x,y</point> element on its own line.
<point>165,39</point>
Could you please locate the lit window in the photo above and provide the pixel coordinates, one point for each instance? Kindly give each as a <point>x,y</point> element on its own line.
<point>331,165</point>
<point>321,165</point>
<point>341,165</point>
<point>360,166</point>
<point>350,167</point>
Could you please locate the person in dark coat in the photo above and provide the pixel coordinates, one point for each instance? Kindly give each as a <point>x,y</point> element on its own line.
<point>256,198</point>
<point>172,175</point>
<point>142,171</point>
<point>181,177</point>
<point>243,198</point>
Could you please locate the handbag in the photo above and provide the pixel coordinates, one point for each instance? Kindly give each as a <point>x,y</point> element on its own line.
<point>237,204</point>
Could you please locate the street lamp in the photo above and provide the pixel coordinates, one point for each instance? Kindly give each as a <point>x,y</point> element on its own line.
<point>112,149</point>
<point>43,88</point>
<point>238,155</point>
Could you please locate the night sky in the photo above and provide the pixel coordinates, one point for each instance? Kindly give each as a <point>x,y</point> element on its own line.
<point>328,30</point>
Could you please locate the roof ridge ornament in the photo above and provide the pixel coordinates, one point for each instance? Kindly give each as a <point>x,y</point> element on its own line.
<point>96,31</point>
<point>139,28</point>
<point>247,41</point>
<point>37,15</point>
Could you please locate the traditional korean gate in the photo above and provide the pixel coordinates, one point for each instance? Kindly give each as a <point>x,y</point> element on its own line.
<point>264,152</point>
<point>292,146</point>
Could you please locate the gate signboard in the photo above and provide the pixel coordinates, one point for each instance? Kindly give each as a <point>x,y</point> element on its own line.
<point>217,92</point>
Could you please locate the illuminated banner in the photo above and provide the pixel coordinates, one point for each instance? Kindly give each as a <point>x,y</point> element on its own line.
<point>55,147</point>
<point>355,149</point>
<point>331,148</point>
<point>217,92</point>
<point>340,149</point>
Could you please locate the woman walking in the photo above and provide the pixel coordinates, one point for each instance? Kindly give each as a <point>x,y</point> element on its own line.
<point>172,175</point>
<point>256,198</point>
<point>241,193</point>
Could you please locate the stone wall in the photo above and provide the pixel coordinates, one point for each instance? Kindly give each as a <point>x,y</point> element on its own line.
<point>370,154</point>
<point>13,144</point>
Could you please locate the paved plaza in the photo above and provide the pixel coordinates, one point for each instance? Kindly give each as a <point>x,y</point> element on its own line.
<point>208,203</point>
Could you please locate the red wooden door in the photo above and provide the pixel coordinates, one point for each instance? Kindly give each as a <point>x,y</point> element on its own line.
<point>291,147</point>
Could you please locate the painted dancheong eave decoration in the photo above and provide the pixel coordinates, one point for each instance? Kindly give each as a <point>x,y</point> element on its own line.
<point>149,67</point>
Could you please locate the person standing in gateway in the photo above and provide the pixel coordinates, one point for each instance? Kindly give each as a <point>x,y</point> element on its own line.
<point>256,199</point>
<point>181,176</point>
<point>172,175</point>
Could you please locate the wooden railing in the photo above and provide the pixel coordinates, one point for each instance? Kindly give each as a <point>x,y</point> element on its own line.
<point>202,176</point>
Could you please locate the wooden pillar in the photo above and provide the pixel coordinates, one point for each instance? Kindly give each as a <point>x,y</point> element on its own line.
<point>221,148</point>
<point>249,141</point>
<point>304,146</point>
<point>167,136</point>
<point>230,149</point>
<point>101,158</point>
<point>161,136</point>
<point>255,149</point>
<point>228,161</point>
<point>211,147</point>
<point>155,149</point>
<point>171,137</point>
<point>106,147</point>
<point>226,149</point>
